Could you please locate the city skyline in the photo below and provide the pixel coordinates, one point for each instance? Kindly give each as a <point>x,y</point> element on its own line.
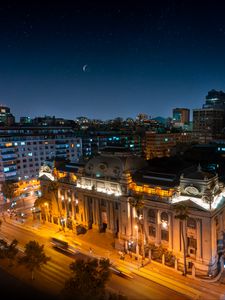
<point>100,61</point>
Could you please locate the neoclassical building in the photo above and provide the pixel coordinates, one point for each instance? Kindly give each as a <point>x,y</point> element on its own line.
<point>99,196</point>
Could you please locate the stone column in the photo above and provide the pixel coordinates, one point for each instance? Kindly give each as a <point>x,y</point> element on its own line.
<point>94,210</point>
<point>73,213</point>
<point>86,211</point>
<point>98,217</point>
<point>129,220</point>
<point>112,218</point>
<point>145,224</point>
<point>199,239</point>
<point>158,227</point>
<point>108,215</point>
<point>170,229</point>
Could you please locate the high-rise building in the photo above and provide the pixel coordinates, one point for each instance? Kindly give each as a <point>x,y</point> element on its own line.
<point>6,118</point>
<point>209,122</point>
<point>215,99</point>
<point>181,116</point>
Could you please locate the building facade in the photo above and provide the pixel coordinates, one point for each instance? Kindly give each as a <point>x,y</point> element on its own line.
<point>24,149</point>
<point>99,196</point>
<point>6,118</point>
<point>181,117</point>
<point>162,144</point>
<point>209,122</point>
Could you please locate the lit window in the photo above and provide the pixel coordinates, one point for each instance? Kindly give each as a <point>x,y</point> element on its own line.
<point>78,145</point>
<point>22,143</point>
<point>30,154</point>
<point>6,169</point>
<point>8,144</point>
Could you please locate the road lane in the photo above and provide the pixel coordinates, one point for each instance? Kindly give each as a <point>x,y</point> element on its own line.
<point>54,274</point>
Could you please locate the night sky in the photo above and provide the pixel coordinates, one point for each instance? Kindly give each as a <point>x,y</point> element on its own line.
<point>108,59</point>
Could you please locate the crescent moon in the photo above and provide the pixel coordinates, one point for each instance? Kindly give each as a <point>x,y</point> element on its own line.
<point>84,68</point>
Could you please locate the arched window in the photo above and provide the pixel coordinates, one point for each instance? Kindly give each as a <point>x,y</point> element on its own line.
<point>164,217</point>
<point>191,223</point>
<point>151,216</point>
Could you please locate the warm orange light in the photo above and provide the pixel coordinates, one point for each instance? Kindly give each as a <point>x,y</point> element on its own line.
<point>150,190</point>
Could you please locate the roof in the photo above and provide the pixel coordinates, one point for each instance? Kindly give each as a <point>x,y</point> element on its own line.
<point>192,205</point>
<point>109,165</point>
<point>199,174</point>
<point>164,172</point>
<point>166,180</point>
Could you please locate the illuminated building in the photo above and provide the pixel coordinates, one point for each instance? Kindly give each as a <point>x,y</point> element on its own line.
<point>162,144</point>
<point>208,123</point>
<point>100,194</point>
<point>6,118</point>
<point>24,149</point>
<point>181,117</point>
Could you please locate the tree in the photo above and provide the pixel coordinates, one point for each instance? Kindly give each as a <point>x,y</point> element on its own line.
<point>8,190</point>
<point>34,257</point>
<point>182,214</point>
<point>88,280</point>
<point>138,203</point>
<point>8,250</point>
<point>3,247</point>
<point>11,251</point>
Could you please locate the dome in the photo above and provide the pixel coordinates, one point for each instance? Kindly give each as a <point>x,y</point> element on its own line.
<point>112,166</point>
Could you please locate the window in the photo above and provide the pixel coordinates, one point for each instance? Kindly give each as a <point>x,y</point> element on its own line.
<point>103,202</point>
<point>164,217</point>
<point>164,235</point>
<point>151,216</point>
<point>192,243</point>
<point>152,231</point>
<point>191,223</point>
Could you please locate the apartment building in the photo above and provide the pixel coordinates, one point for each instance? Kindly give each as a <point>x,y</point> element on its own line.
<point>24,149</point>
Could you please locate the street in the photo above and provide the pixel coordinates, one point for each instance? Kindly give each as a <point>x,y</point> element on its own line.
<point>53,275</point>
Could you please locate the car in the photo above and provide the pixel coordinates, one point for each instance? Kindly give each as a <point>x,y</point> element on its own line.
<point>80,229</point>
<point>122,273</point>
<point>63,247</point>
<point>57,243</point>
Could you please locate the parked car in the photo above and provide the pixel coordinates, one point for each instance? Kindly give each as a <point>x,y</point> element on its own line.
<point>80,229</point>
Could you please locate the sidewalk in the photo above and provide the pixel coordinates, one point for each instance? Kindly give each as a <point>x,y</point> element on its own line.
<point>102,245</point>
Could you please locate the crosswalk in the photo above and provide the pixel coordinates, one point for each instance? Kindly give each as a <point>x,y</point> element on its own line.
<point>55,273</point>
